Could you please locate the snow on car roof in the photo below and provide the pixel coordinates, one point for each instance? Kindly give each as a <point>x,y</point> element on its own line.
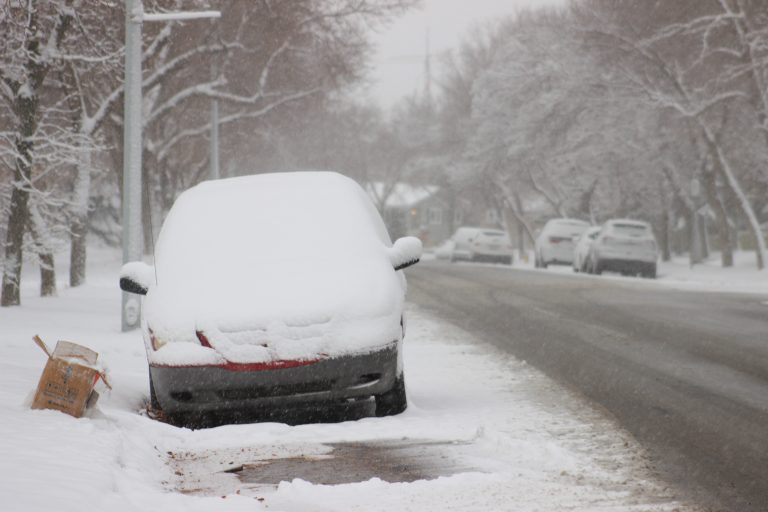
<point>271,217</point>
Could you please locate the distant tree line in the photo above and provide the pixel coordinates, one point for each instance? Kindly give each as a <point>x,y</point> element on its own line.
<point>618,108</point>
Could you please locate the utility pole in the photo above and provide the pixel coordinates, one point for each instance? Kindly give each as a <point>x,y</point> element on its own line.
<point>132,140</point>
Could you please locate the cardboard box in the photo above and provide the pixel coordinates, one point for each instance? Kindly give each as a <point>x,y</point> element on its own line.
<point>68,379</point>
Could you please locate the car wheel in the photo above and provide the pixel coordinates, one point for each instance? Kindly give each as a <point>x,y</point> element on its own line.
<point>393,401</point>
<point>650,273</point>
<point>597,268</point>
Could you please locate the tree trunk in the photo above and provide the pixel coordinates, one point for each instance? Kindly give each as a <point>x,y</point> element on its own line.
<point>77,251</point>
<point>664,242</point>
<point>79,223</point>
<point>666,252</point>
<point>19,211</point>
<point>26,111</point>
<point>722,166</point>
<point>146,209</point>
<point>47,275</point>
<point>17,220</point>
<point>721,216</point>
<point>42,243</point>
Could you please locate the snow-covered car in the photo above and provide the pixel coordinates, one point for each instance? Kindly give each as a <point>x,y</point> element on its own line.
<point>581,250</point>
<point>555,243</point>
<point>481,244</point>
<point>273,291</point>
<point>626,246</point>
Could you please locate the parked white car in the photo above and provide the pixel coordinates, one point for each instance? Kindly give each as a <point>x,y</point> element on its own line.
<point>583,244</point>
<point>626,246</point>
<point>555,243</point>
<point>275,291</point>
<point>481,244</point>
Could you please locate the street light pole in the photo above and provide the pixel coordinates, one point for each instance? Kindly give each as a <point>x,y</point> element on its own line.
<point>132,147</point>
<point>132,140</point>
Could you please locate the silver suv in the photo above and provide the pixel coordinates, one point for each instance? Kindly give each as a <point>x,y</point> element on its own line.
<point>626,246</point>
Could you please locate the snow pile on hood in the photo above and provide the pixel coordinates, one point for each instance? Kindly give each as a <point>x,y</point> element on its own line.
<point>259,262</point>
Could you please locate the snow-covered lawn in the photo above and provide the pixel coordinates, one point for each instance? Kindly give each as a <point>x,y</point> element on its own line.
<point>523,442</point>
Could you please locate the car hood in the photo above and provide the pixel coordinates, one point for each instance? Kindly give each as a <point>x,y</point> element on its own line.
<point>285,313</point>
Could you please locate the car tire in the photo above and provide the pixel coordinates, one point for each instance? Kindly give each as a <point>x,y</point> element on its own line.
<point>650,273</point>
<point>393,401</point>
<point>597,268</point>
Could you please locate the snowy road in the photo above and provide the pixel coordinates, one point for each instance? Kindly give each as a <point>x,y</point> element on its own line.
<point>686,373</point>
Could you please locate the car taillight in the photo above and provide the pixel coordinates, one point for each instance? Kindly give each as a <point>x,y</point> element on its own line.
<point>554,240</point>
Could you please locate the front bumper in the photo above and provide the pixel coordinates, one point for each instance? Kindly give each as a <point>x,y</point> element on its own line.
<point>204,389</point>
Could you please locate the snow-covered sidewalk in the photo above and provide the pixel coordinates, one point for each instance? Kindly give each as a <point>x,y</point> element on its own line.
<point>528,443</point>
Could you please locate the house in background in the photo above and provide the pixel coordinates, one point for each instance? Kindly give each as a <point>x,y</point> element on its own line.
<point>424,211</point>
<point>432,213</point>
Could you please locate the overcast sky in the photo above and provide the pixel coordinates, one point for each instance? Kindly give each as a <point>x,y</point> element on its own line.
<point>399,62</point>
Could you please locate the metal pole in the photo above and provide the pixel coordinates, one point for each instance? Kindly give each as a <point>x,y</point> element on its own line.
<point>132,141</point>
<point>132,147</point>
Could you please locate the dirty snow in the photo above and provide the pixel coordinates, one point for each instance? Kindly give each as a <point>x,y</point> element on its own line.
<point>529,444</point>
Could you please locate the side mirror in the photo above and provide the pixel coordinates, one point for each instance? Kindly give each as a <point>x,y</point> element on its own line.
<point>405,252</point>
<point>136,277</point>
